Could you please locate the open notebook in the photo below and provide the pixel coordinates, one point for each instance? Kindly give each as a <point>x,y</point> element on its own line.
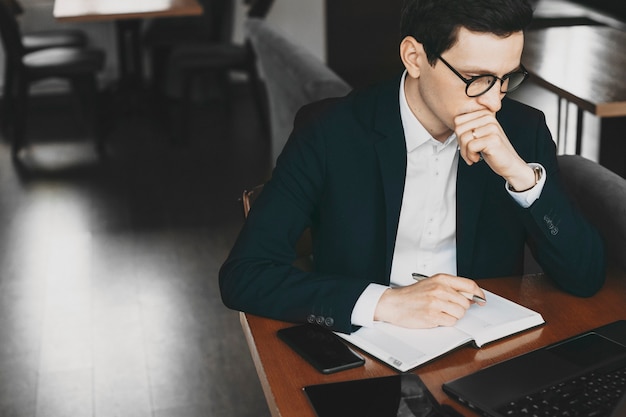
<point>405,349</point>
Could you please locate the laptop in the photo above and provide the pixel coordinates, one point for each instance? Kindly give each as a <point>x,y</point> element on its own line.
<point>554,378</point>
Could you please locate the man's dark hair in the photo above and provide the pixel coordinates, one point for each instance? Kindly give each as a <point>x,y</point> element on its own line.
<point>435,23</point>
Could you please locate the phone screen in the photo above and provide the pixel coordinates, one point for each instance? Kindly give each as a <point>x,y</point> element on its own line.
<point>390,396</point>
<point>320,347</point>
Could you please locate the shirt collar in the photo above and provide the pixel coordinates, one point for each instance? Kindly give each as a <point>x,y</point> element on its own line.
<point>415,134</point>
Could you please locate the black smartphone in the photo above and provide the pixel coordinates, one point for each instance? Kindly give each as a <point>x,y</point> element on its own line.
<point>320,347</point>
<point>398,395</point>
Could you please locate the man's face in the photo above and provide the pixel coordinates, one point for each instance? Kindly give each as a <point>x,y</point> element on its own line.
<point>439,94</point>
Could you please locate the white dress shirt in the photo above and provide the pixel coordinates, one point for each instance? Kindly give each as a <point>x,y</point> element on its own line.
<point>426,237</point>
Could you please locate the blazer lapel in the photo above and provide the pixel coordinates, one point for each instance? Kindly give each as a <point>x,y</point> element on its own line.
<point>470,189</point>
<point>391,150</point>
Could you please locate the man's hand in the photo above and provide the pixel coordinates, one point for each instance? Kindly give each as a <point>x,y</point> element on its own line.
<point>480,135</point>
<point>435,301</point>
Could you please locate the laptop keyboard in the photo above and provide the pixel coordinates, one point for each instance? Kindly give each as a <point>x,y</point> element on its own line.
<point>590,395</point>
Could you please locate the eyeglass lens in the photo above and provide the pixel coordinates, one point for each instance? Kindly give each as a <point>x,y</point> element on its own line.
<point>482,84</point>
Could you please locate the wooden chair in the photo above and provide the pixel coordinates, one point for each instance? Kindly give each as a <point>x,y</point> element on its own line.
<point>248,197</point>
<point>53,38</point>
<point>77,65</point>
<point>41,39</point>
<point>36,41</point>
<point>162,35</point>
<point>191,61</point>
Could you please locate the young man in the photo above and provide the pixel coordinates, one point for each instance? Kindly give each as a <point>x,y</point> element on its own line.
<point>435,173</point>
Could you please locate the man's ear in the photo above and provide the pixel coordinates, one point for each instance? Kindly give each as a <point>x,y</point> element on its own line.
<point>412,55</point>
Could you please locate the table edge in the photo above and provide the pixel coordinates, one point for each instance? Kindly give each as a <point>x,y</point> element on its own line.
<point>258,364</point>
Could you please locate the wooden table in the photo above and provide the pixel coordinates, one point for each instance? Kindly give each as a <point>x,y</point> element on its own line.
<point>90,10</point>
<point>127,15</point>
<point>584,65</point>
<point>283,373</point>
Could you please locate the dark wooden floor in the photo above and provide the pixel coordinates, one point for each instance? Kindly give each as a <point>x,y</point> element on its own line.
<point>109,301</point>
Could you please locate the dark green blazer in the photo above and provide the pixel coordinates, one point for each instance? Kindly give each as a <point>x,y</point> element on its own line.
<point>342,174</point>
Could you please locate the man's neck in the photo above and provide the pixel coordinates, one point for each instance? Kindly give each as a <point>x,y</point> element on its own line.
<point>420,110</point>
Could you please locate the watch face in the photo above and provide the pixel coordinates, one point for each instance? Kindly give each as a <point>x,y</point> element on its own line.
<point>538,173</point>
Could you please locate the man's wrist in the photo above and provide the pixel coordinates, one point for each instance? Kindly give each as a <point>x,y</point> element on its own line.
<point>364,310</point>
<point>526,198</point>
<point>380,311</point>
<point>520,187</point>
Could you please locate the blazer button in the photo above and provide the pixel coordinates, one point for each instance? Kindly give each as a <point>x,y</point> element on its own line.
<point>329,322</point>
<point>311,318</point>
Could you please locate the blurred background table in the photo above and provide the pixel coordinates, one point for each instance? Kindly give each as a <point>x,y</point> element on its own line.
<point>127,15</point>
<point>82,10</point>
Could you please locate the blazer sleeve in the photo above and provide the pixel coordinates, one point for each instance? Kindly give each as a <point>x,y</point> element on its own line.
<point>258,276</point>
<point>569,249</point>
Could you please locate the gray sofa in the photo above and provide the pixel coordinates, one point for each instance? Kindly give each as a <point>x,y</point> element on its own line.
<point>295,77</point>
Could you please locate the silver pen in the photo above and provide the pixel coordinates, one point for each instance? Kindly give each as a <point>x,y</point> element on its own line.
<point>420,277</point>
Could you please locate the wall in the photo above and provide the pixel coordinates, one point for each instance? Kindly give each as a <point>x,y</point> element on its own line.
<point>301,20</point>
<point>357,53</point>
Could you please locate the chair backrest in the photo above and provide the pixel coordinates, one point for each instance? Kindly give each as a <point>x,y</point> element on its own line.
<point>601,196</point>
<point>259,8</point>
<point>222,14</point>
<point>248,197</point>
<point>293,77</point>
<point>15,7</point>
<point>10,33</point>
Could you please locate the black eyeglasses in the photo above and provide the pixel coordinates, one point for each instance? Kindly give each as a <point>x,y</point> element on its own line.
<point>479,85</point>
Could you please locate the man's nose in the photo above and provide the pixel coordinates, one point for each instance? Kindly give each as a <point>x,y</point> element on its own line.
<point>492,99</point>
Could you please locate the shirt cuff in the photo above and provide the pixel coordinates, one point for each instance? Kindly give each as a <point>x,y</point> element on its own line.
<point>363,311</point>
<point>528,197</point>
